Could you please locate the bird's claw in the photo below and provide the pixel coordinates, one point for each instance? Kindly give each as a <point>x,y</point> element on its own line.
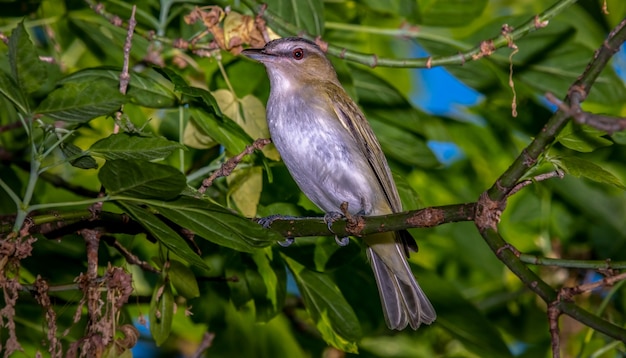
<point>287,242</point>
<point>344,241</point>
<point>330,218</point>
<point>267,221</point>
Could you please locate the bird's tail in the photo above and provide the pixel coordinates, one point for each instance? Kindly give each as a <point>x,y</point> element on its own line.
<point>404,302</point>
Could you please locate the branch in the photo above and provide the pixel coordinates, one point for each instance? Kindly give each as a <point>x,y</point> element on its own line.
<point>485,48</point>
<point>493,201</point>
<point>578,91</point>
<point>609,124</point>
<point>363,225</point>
<point>579,264</point>
<point>231,163</point>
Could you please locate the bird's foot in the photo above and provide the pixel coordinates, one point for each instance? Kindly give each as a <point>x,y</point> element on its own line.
<point>287,242</point>
<point>331,217</point>
<point>267,221</point>
<point>344,241</point>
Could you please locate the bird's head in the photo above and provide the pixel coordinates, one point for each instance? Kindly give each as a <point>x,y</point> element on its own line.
<point>294,61</point>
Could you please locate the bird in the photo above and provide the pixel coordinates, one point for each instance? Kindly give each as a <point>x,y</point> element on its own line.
<point>333,155</point>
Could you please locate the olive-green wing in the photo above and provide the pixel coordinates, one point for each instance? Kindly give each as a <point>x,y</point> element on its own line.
<point>362,132</point>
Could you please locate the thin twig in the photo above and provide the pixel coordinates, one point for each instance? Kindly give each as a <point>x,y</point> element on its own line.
<point>231,163</point>
<point>541,177</point>
<point>129,256</point>
<point>609,124</point>
<point>207,341</point>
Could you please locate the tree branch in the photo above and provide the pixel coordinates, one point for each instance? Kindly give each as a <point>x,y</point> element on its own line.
<point>485,48</point>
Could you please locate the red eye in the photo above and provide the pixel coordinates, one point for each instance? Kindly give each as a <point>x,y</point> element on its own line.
<point>298,54</point>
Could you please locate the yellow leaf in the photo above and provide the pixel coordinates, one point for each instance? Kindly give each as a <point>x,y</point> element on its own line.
<point>195,137</point>
<point>245,189</point>
<point>249,113</point>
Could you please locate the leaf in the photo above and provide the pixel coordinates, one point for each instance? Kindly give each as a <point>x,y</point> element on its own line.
<point>151,89</point>
<point>461,318</point>
<point>161,311</point>
<point>582,138</point>
<point>82,101</point>
<point>11,91</point>
<point>205,130</point>
<point>183,279</point>
<point>270,290</point>
<point>141,179</point>
<point>134,146</point>
<point>403,8</point>
<point>403,146</point>
<point>207,122</point>
<point>307,15</point>
<point>217,224</point>
<point>147,88</point>
<point>449,13</point>
<point>165,234</point>
<point>26,67</point>
<point>78,158</point>
<point>180,85</point>
<point>245,187</point>
<point>249,114</point>
<point>330,311</point>
<point>582,168</point>
<point>381,100</point>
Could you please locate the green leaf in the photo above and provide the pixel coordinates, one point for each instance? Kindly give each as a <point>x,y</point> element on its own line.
<point>583,168</point>
<point>161,311</point>
<point>208,129</point>
<point>207,120</point>
<point>217,224</point>
<point>261,278</point>
<point>330,311</point>
<point>150,89</point>
<point>381,100</point>
<point>82,101</point>
<point>11,91</point>
<point>141,179</point>
<point>403,8</point>
<point>462,319</point>
<point>205,97</point>
<point>165,234</point>
<point>403,146</point>
<point>270,288</point>
<point>449,13</point>
<point>582,138</point>
<point>183,279</point>
<point>147,88</point>
<point>78,158</point>
<point>26,67</point>
<point>134,146</point>
<point>307,15</point>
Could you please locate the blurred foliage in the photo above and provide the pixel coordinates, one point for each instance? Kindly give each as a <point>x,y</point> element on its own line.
<point>191,106</point>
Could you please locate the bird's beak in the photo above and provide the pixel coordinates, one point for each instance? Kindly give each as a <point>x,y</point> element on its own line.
<point>258,54</point>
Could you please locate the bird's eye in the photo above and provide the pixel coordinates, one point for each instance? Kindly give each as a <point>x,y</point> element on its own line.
<point>298,54</point>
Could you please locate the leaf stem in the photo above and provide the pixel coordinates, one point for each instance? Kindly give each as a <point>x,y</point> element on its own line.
<point>581,264</point>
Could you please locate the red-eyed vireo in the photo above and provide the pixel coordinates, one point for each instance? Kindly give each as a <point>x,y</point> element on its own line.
<point>334,157</point>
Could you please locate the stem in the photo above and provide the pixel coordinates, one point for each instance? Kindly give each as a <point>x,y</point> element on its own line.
<point>11,193</point>
<point>503,40</point>
<point>71,203</point>
<point>581,264</point>
<point>181,134</point>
